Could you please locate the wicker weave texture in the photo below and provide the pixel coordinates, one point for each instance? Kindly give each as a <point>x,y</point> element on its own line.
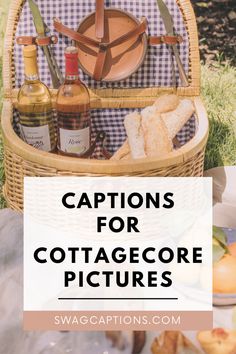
<point>16,167</point>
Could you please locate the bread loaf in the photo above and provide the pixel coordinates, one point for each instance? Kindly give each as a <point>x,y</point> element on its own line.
<point>134,131</point>
<point>127,157</point>
<point>156,137</point>
<point>152,133</point>
<point>166,103</point>
<point>147,111</point>
<point>173,342</point>
<point>175,120</point>
<point>123,151</point>
<point>163,104</point>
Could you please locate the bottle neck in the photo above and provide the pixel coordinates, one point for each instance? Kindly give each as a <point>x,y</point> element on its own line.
<point>31,69</point>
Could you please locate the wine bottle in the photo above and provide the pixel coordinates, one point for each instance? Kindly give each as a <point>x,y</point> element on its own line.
<point>73,110</point>
<point>35,106</point>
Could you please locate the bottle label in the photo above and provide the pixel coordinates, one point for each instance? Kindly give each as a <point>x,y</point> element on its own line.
<point>38,137</point>
<point>75,141</point>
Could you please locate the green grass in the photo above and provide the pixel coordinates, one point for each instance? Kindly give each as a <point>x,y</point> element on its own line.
<point>219,94</point>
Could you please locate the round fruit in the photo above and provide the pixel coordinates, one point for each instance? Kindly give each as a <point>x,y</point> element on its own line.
<point>232,249</point>
<point>224,275</point>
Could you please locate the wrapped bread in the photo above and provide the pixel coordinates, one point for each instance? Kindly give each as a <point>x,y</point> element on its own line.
<point>147,111</point>
<point>163,104</point>
<point>173,342</point>
<point>166,103</point>
<point>175,120</point>
<point>152,133</point>
<point>218,341</point>
<point>156,137</point>
<point>127,157</point>
<point>122,153</point>
<point>133,126</point>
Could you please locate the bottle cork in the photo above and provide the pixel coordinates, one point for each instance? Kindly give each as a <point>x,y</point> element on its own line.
<point>30,60</point>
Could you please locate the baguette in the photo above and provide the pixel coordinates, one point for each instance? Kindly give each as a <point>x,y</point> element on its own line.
<point>123,151</point>
<point>127,157</point>
<point>147,111</point>
<point>166,103</point>
<point>152,132</point>
<point>157,140</point>
<point>163,104</point>
<point>175,120</point>
<point>134,131</point>
<point>173,342</point>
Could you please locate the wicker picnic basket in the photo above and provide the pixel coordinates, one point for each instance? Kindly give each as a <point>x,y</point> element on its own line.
<point>23,160</point>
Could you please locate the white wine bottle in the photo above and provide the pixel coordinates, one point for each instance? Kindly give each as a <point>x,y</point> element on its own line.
<point>35,106</point>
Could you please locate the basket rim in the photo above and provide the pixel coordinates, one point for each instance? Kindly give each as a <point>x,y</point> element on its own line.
<point>72,164</point>
<point>194,57</point>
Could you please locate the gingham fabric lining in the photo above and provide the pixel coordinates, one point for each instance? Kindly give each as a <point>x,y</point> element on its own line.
<point>156,70</point>
<point>112,122</point>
